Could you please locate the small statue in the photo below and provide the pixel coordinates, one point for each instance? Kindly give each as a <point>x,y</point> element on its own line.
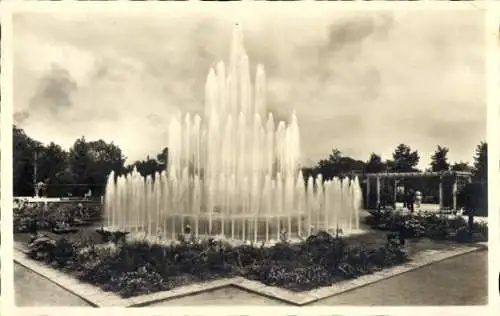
<point>418,199</point>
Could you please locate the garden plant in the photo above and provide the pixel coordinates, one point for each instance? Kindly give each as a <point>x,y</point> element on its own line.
<point>430,225</point>
<point>131,268</point>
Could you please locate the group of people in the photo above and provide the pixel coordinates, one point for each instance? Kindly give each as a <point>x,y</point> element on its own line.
<point>412,197</point>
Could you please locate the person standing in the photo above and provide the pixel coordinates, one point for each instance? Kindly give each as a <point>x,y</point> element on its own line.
<point>410,199</point>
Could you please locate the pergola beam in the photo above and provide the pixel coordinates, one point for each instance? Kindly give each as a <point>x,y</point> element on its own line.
<point>426,174</point>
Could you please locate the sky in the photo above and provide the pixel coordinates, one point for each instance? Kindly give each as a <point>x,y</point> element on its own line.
<point>360,81</point>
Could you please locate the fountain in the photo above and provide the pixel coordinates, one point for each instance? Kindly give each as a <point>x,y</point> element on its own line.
<point>232,174</point>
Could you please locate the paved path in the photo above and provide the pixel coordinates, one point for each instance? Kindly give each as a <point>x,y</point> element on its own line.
<point>457,281</point>
<point>34,290</point>
<point>462,280</point>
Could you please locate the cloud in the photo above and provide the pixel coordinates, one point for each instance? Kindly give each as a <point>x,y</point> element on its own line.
<point>360,81</point>
<point>54,92</point>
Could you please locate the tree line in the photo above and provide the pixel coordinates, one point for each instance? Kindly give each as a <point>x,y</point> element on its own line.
<point>87,164</point>
<point>84,166</point>
<point>404,159</point>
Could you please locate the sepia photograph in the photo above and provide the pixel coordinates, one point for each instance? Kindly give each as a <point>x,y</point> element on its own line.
<point>273,156</point>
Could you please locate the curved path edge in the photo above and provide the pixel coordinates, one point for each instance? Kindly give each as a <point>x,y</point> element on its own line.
<point>99,298</point>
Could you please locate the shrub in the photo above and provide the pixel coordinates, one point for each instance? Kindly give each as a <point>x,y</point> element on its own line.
<point>48,216</point>
<point>285,274</point>
<point>433,226</point>
<point>63,252</point>
<point>463,235</point>
<point>436,227</point>
<point>114,237</point>
<point>41,248</point>
<point>481,229</point>
<point>142,281</point>
<point>412,227</point>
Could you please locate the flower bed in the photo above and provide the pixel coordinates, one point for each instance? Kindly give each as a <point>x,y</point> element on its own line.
<point>433,226</point>
<point>131,268</point>
<point>50,215</point>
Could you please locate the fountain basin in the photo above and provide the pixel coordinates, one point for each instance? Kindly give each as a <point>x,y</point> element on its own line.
<point>165,241</point>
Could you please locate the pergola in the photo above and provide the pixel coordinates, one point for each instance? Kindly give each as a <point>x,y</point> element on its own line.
<point>428,174</point>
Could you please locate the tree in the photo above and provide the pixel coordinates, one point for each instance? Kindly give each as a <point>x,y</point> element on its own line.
<point>405,160</point>
<point>62,183</point>
<point>481,162</point>
<point>349,164</point>
<point>461,166</point>
<point>24,148</point>
<point>308,172</point>
<point>65,177</point>
<point>337,165</point>
<point>51,160</point>
<point>162,157</point>
<point>329,167</point>
<point>148,167</point>
<point>107,157</point>
<point>79,159</point>
<point>335,156</point>
<point>375,164</point>
<point>91,162</point>
<point>439,160</point>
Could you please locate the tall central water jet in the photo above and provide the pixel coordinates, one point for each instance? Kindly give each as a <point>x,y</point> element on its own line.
<point>236,173</point>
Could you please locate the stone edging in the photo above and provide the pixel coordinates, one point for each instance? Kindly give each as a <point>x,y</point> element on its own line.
<point>99,298</point>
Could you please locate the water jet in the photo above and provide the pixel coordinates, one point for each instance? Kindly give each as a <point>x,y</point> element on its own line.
<point>235,173</point>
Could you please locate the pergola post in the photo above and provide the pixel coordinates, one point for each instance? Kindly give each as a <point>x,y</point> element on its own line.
<point>395,193</point>
<point>454,192</point>
<point>378,191</point>
<point>441,192</point>
<point>368,192</point>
